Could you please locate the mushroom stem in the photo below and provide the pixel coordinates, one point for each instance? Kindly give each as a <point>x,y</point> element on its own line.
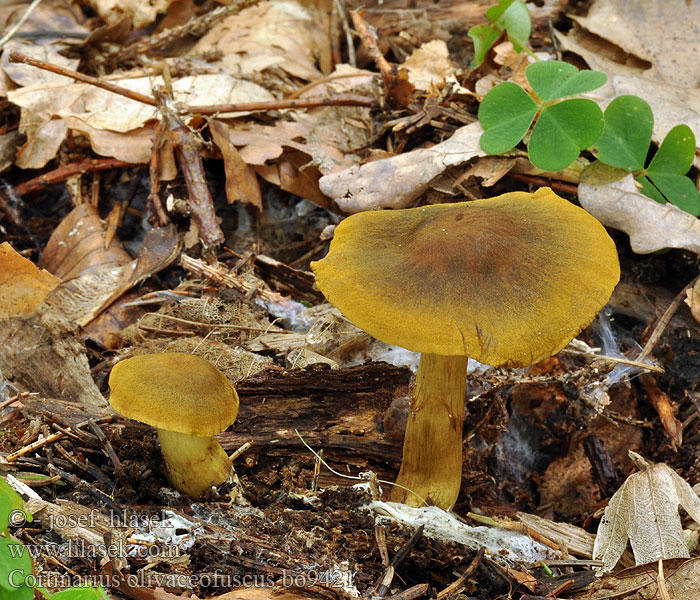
<point>432,449</point>
<point>194,463</point>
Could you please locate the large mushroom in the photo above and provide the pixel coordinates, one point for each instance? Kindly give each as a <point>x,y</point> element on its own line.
<point>189,401</point>
<point>507,280</point>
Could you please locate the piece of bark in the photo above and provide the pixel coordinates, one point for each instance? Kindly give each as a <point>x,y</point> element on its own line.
<point>42,354</point>
<point>337,410</point>
<point>604,471</point>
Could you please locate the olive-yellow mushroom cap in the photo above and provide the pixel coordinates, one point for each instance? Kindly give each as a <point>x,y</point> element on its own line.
<point>174,391</point>
<point>508,280</point>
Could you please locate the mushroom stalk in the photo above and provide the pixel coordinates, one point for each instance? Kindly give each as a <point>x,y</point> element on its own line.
<point>432,448</point>
<point>194,463</point>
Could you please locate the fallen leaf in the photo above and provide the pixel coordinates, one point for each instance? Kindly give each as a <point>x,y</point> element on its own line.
<point>139,12</point>
<point>429,65</point>
<point>645,511</point>
<point>641,583</point>
<point>395,182</point>
<point>241,181</point>
<point>662,32</point>
<point>612,197</point>
<point>89,108</point>
<point>23,286</point>
<point>271,36</point>
<point>693,300</point>
<point>662,404</point>
<point>94,275</point>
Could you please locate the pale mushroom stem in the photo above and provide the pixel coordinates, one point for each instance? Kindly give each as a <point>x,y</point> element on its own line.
<point>432,449</point>
<point>194,463</point>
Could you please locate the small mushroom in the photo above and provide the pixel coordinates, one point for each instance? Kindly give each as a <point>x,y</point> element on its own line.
<point>189,401</point>
<point>507,280</point>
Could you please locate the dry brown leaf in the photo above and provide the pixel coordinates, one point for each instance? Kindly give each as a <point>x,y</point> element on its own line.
<point>662,32</point>
<point>429,65</point>
<point>23,286</point>
<point>293,173</point>
<point>141,13</point>
<point>268,37</point>
<point>47,16</point>
<point>693,300</point>
<point>94,275</point>
<point>395,182</point>
<point>41,353</point>
<point>662,404</point>
<point>241,181</point>
<point>612,197</point>
<point>42,145</point>
<point>133,146</point>
<point>90,108</point>
<point>641,583</point>
<point>645,511</point>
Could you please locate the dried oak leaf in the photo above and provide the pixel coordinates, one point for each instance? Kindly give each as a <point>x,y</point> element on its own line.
<point>645,510</point>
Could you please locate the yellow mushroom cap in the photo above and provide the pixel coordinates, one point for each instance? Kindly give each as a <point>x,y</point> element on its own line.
<point>508,280</point>
<point>174,391</point>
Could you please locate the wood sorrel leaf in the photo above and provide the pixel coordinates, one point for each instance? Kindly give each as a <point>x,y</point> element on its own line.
<point>506,114</point>
<point>668,168</point>
<point>556,79</point>
<point>627,133</point>
<point>562,131</point>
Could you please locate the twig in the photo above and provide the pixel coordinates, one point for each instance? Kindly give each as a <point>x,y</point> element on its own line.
<point>338,100</point>
<point>559,186</point>
<point>105,443</point>
<point>411,593</point>
<point>384,583</point>
<point>65,172</point>
<point>188,149</point>
<point>18,57</point>
<point>614,359</point>
<point>664,321</point>
<point>243,448</point>
<point>458,584</point>
<point>51,438</point>
<point>75,481</point>
<point>352,59</point>
<point>212,325</point>
<point>12,30</point>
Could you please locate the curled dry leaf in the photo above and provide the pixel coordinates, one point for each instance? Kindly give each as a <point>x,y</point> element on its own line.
<point>645,511</point>
<point>140,13</point>
<point>23,286</point>
<point>693,300</point>
<point>395,182</point>
<point>612,197</point>
<point>429,65</point>
<point>94,272</point>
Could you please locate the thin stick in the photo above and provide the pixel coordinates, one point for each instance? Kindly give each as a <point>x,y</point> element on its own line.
<point>664,321</point>
<point>18,57</point>
<point>105,442</point>
<point>338,100</point>
<point>615,359</point>
<point>325,464</point>
<point>11,32</point>
<point>51,438</point>
<point>458,584</point>
<point>62,173</point>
